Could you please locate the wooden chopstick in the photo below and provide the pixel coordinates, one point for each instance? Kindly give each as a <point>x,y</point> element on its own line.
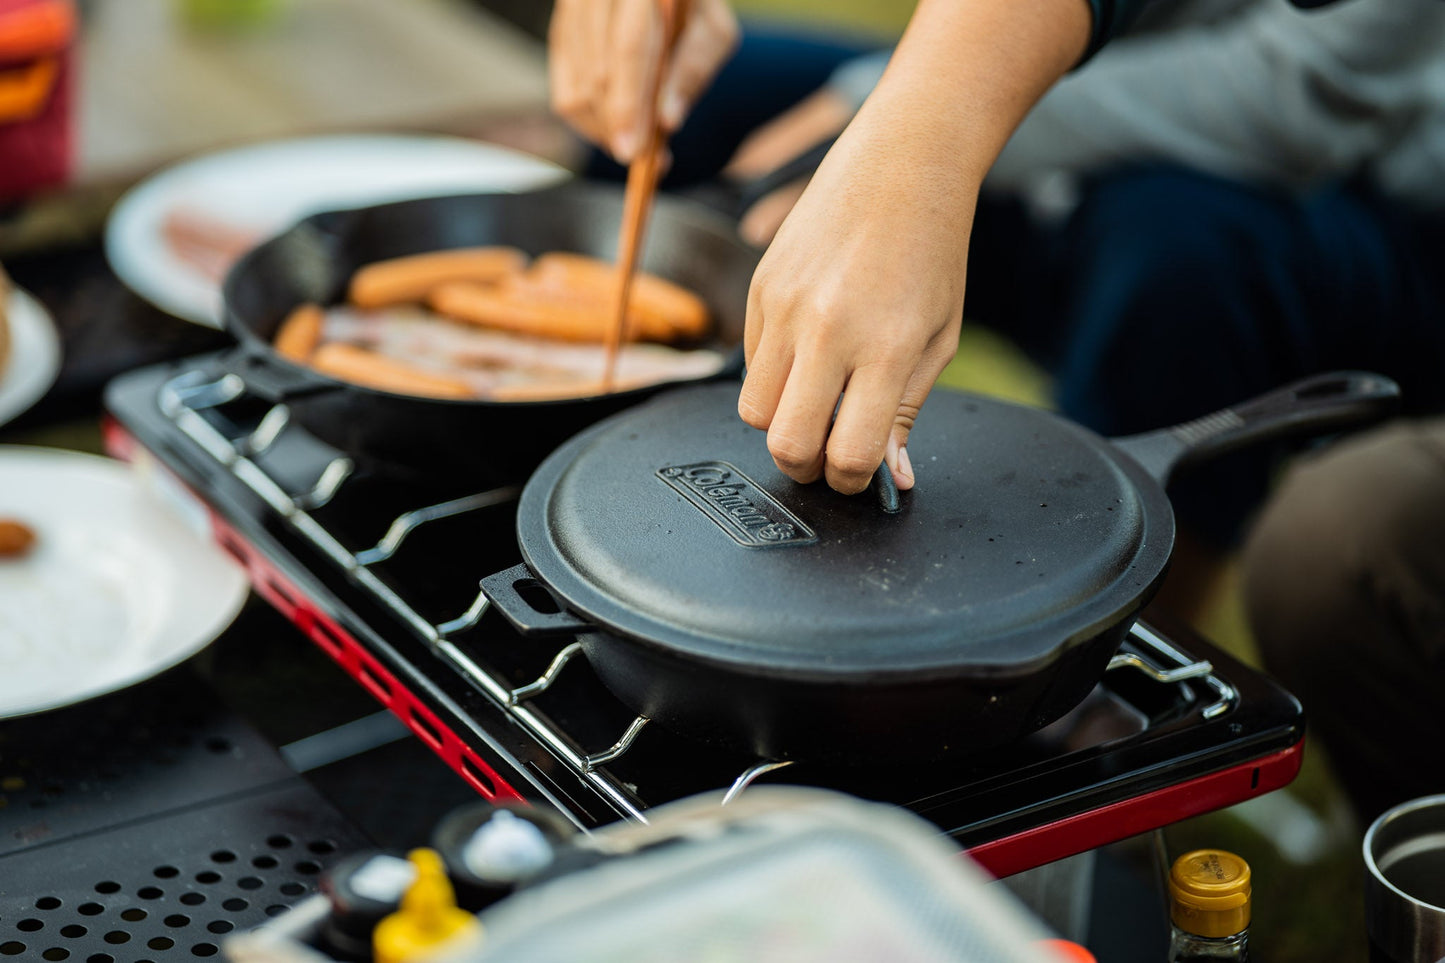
<point>642,178</point>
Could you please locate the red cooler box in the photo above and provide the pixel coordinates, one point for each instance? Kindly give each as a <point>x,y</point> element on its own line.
<point>37,39</point>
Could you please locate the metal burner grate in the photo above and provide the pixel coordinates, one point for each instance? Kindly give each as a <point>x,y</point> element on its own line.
<point>383,576</point>
<point>242,445</point>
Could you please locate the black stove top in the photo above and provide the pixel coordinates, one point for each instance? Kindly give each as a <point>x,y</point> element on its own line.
<point>383,574</point>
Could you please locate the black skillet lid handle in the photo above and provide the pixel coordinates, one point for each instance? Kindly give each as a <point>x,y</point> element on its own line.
<point>885,489</point>
<point>532,608</point>
<point>1317,404</point>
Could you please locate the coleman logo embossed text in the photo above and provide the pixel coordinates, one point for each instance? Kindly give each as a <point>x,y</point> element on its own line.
<point>734,501</point>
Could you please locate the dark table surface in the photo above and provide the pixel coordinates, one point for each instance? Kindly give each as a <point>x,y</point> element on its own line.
<point>203,800</point>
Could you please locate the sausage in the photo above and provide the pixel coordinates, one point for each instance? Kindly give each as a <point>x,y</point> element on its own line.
<point>411,278</point>
<point>522,309</point>
<point>16,538</point>
<point>656,304</point>
<point>678,307</point>
<point>568,297</point>
<point>360,366</point>
<point>299,335</point>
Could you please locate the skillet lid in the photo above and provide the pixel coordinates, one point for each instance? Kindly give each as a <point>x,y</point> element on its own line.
<point>670,525</point>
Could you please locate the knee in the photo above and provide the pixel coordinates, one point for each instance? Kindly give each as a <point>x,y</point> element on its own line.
<point>1347,552</point>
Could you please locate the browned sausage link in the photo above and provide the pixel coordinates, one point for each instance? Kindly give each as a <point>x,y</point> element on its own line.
<point>658,310</point>
<point>299,335</point>
<point>407,279</point>
<point>580,297</point>
<point>369,369</point>
<point>677,307</point>
<point>16,538</point>
<point>523,311</point>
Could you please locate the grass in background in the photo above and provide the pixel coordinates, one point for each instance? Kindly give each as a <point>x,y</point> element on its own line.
<point>873,18</point>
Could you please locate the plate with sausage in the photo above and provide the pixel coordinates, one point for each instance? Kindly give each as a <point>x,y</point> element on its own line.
<point>173,237</point>
<point>105,583</point>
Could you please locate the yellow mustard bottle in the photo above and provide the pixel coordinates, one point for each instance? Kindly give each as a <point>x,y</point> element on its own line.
<point>428,919</point>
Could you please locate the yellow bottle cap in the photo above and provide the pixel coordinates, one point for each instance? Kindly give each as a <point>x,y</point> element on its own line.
<point>428,917</point>
<point>1209,893</point>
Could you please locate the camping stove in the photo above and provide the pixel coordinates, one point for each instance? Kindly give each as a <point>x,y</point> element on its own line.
<point>382,574</point>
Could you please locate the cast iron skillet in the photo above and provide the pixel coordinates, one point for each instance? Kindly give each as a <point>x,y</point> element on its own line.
<point>717,597</point>
<point>493,442</point>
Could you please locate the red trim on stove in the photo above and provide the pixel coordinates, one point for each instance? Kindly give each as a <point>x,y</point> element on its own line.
<point>336,642</point>
<point>1129,817</point>
<point>361,665</point>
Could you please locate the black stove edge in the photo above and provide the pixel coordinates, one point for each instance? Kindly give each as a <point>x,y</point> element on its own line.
<point>1267,722</point>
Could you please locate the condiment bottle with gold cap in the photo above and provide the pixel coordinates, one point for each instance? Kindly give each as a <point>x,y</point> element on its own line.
<point>1209,907</point>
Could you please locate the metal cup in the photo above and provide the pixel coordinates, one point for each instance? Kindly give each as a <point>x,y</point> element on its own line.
<point>1404,851</point>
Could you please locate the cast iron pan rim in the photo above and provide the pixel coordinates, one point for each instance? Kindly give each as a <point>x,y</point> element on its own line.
<point>320,222</point>
<point>1032,648</point>
<point>873,677</point>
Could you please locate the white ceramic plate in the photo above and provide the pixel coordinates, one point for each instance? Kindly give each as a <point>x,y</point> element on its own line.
<point>116,589</point>
<point>34,355</point>
<point>261,190</point>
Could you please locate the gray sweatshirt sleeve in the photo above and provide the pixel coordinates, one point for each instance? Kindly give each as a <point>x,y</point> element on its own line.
<point>1111,18</point>
<point>1274,93</point>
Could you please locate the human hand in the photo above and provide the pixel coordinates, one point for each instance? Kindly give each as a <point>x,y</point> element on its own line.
<point>859,296</point>
<point>602,52</point>
<point>856,306</point>
<point>816,118</point>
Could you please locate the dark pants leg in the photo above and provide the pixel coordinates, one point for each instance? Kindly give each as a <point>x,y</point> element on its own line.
<point>1169,294</point>
<point>1344,585</point>
<point>772,70</point>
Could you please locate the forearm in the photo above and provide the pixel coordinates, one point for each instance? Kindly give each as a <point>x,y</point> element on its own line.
<point>966,72</point>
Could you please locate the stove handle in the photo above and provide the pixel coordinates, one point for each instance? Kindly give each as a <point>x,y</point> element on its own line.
<point>276,383</point>
<point>533,609</point>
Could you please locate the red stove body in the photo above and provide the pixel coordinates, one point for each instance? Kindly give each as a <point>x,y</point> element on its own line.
<point>383,576</point>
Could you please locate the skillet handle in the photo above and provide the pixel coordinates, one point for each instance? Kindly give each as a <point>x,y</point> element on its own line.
<point>506,591</point>
<point>1320,403</point>
<point>275,381</point>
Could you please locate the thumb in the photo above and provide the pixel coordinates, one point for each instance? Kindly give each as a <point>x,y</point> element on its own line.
<point>914,394</point>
